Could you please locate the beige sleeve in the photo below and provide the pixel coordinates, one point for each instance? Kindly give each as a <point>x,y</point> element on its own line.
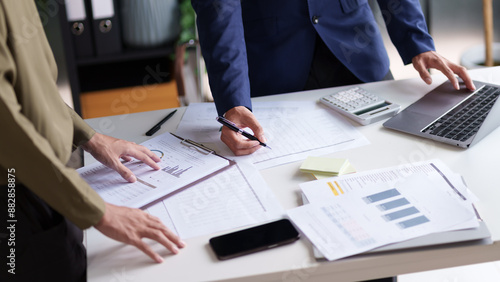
<point>32,157</point>
<point>82,132</point>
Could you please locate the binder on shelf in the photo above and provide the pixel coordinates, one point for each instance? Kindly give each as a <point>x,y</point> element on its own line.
<point>105,26</point>
<point>80,28</point>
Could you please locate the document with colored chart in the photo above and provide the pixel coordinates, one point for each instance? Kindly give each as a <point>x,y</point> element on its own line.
<point>356,213</point>
<point>181,164</point>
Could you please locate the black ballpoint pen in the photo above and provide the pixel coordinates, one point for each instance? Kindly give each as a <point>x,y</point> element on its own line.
<point>234,128</point>
<point>158,125</point>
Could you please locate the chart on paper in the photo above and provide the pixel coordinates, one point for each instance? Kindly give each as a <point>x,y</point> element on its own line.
<point>338,186</point>
<point>397,207</point>
<point>380,214</point>
<point>179,166</point>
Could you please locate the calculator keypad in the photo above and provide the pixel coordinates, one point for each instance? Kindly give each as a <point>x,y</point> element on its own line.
<point>353,100</point>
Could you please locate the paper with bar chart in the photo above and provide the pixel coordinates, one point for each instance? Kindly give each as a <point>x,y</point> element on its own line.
<point>435,170</point>
<point>180,165</point>
<point>380,214</point>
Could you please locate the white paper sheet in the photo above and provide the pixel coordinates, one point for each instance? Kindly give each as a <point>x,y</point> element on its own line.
<point>234,198</point>
<point>180,165</point>
<point>318,190</point>
<point>291,129</point>
<point>435,170</point>
<point>380,214</point>
<point>198,122</point>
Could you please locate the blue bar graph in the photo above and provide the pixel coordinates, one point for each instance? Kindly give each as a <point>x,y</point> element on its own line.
<point>381,196</point>
<point>175,171</point>
<point>393,204</point>
<point>413,222</point>
<point>400,214</point>
<point>395,207</point>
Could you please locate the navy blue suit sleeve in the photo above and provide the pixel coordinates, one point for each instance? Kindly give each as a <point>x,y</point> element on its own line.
<point>222,42</point>
<point>407,28</point>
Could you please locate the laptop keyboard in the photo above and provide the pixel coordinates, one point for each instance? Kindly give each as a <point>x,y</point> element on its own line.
<point>463,121</point>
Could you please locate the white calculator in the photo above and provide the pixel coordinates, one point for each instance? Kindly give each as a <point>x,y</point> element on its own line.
<point>360,105</point>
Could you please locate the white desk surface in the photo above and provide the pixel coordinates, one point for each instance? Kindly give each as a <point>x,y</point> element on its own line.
<point>109,260</point>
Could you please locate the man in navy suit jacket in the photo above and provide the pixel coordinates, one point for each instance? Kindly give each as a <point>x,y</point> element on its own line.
<point>263,47</point>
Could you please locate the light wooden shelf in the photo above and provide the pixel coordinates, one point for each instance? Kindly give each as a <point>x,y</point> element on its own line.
<point>129,100</point>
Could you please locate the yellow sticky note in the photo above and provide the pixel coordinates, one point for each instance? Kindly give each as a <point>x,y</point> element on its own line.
<point>347,169</point>
<point>322,165</point>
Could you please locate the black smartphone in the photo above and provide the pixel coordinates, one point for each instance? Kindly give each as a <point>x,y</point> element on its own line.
<point>254,239</point>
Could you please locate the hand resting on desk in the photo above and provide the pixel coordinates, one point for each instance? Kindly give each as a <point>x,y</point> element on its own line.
<point>125,224</point>
<point>131,225</point>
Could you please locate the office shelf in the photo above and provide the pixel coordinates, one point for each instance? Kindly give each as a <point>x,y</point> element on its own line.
<point>128,54</point>
<point>130,67</point>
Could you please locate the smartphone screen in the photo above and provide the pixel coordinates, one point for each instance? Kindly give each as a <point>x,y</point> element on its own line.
<point>254,239</point>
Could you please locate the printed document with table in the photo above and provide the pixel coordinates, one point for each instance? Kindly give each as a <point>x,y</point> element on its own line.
<point>237,197</point>
<point>294,130</point>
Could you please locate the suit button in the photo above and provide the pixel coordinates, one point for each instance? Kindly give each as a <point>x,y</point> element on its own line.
<point>315,19</point>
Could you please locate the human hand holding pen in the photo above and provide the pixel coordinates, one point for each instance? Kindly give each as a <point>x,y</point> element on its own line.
<point>242,117</point>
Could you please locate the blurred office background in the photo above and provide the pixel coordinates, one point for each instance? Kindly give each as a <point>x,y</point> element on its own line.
<point>456,26</point>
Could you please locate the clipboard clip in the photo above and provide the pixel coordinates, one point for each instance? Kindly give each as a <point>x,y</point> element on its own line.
<point>197,146</point>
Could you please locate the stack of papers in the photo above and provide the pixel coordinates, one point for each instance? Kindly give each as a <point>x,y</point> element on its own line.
<point>355,213</point>
<point>215,201</point>
<point>322,167</point>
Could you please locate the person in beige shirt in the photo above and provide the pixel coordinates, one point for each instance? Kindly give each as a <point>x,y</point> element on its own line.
<point>39,132</point>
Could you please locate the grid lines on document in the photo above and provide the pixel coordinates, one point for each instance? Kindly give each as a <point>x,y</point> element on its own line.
<point>295,134</point>
<point>226,200</point>
<point>349,226</point>
<point>355,181</point>
<point>109,190</point>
